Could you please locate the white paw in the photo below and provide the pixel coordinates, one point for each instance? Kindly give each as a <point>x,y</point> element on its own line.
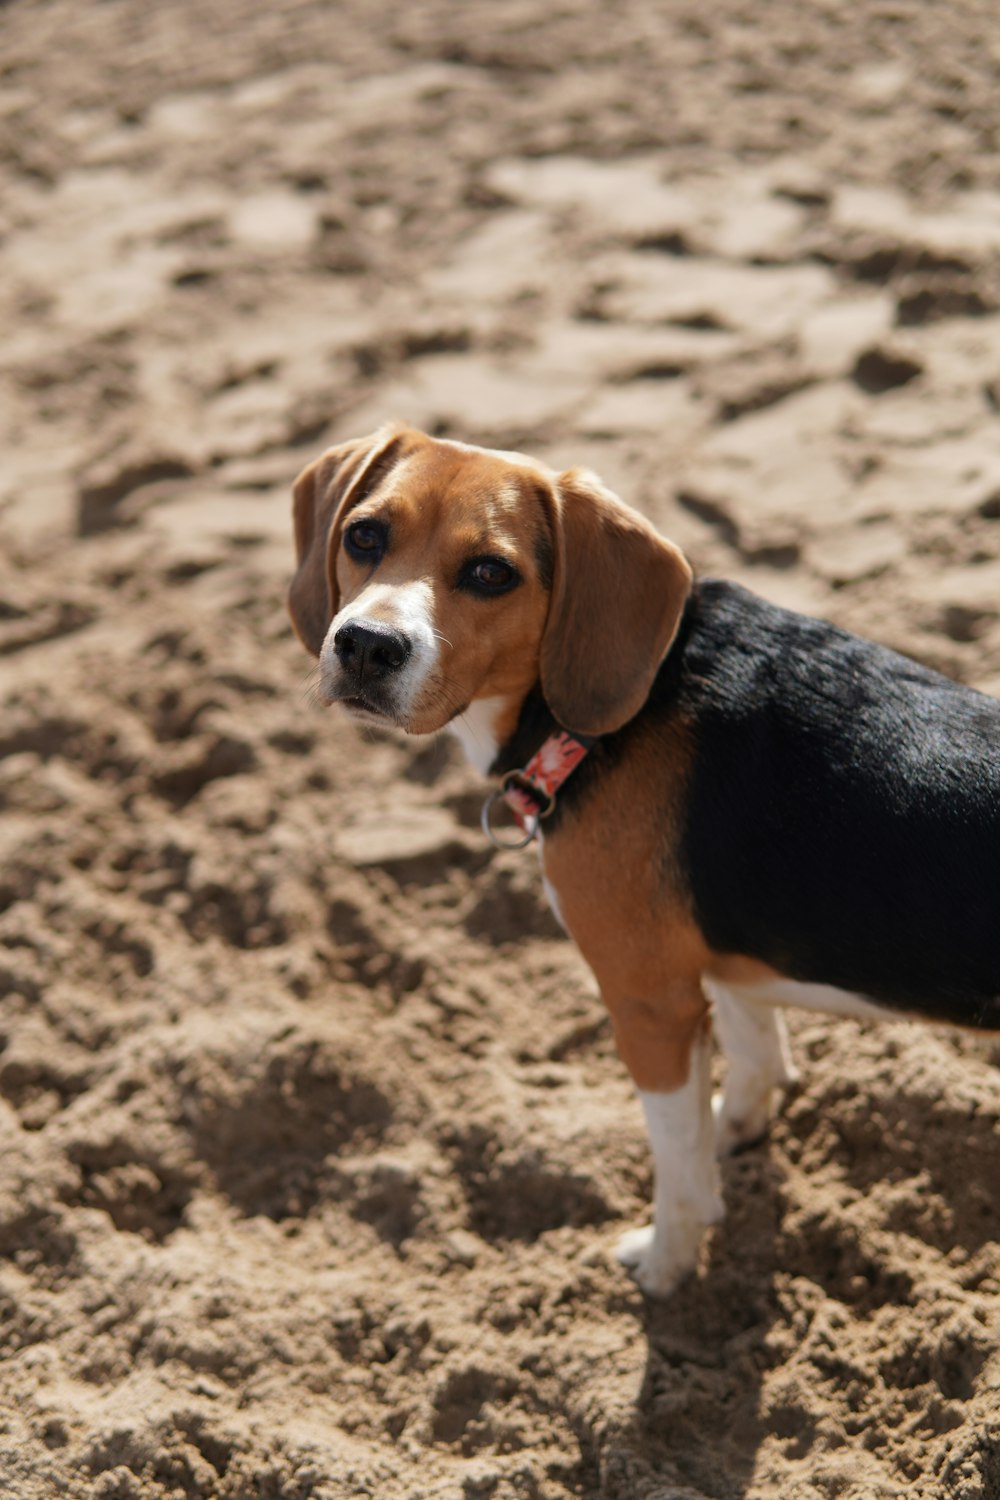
<point>633,1251</point>
<point>633,1247</point>
<point>658,1269</point>
<point>743,1127</point>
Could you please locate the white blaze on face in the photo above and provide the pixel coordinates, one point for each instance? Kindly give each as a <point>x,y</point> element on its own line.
<point>407,608</point>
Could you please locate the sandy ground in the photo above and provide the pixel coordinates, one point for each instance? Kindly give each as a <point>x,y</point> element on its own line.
<point>314,1138</point>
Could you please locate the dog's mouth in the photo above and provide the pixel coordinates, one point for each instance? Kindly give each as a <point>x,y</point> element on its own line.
<point>368,702</point>
<point>366,707</point>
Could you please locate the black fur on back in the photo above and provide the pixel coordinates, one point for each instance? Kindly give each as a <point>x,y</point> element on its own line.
<point>843,807</point>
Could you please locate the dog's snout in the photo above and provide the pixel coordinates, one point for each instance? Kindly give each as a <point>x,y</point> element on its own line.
<point>370,651</point>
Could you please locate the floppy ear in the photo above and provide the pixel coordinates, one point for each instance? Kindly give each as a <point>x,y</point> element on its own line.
<point>618,592</point>
<point>322,495</point>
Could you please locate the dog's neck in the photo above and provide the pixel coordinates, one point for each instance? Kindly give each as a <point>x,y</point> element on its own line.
<point>477,731</point>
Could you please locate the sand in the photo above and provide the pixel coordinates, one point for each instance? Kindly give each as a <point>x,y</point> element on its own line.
<point>315,1143</point>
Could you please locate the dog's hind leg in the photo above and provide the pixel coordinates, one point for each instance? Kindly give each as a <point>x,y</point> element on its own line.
<point>754,1042</point>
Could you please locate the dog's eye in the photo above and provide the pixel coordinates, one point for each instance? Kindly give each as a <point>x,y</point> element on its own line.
<point>365,540</point>
<point>489,575</point>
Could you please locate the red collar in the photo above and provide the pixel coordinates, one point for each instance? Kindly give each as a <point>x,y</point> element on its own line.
<point>531,793</point>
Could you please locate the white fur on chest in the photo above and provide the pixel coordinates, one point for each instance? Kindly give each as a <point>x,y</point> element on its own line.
<point>552,895</point>
<point>475,731</point>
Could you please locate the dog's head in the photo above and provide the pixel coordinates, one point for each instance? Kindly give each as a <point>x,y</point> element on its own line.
<point>432,574</point>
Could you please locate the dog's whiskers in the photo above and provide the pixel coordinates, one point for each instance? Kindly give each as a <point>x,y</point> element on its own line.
<point>310,689</point>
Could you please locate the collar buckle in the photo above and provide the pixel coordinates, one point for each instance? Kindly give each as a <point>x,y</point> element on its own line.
<point>531,793</point>
<point>524,794</point>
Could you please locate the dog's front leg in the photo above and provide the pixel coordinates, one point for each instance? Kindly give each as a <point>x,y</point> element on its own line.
<point>647,959</point>
<point>686,1195</point>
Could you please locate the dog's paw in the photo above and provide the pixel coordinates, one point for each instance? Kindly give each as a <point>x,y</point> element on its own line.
<point>655,1272</point>
<point>634,1252</point>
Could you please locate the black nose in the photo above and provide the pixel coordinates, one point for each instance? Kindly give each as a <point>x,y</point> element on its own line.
<point>370,652</point>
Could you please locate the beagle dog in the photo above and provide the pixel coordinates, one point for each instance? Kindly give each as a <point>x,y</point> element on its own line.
<point>738,808</point>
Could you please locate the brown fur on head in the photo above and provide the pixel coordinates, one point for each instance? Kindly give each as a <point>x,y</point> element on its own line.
<point>481,573</point>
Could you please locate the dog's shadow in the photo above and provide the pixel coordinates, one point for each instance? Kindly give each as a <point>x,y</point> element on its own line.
<point>702,1411</point>
<point>696,1425</point>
